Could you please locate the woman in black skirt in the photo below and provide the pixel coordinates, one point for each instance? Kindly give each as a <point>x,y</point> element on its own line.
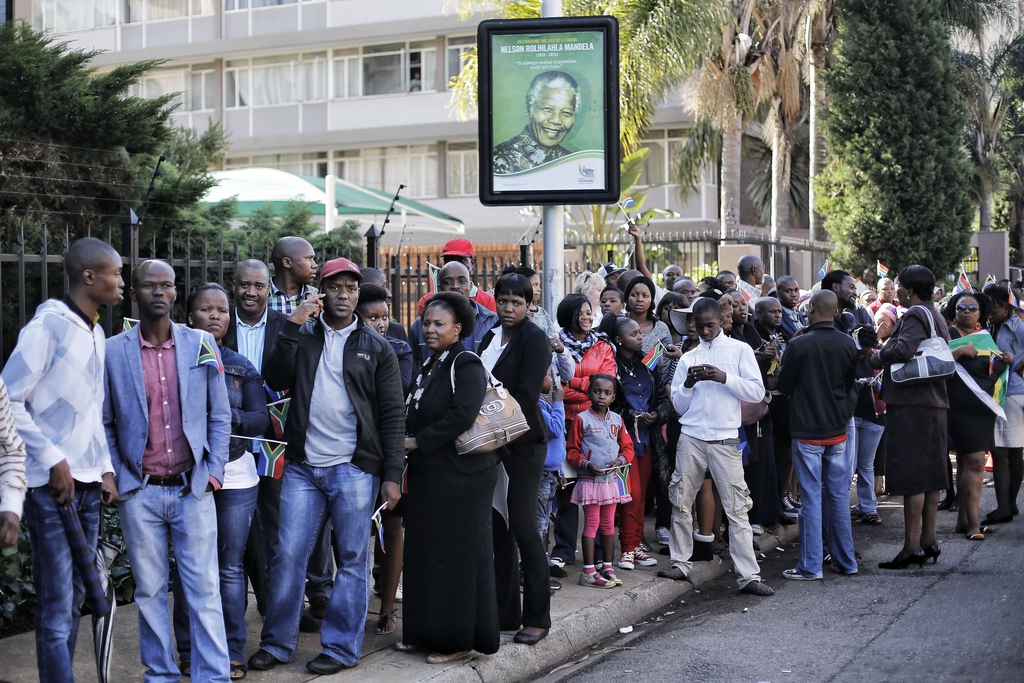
<point>971,423</point>
<point>916,449</point>
<point>450,603</point>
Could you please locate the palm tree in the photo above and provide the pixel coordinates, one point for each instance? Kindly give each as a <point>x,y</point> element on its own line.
<point>727,88</point>
<point>982,82</point>
<point>820,35</point>
<point>787,105</point>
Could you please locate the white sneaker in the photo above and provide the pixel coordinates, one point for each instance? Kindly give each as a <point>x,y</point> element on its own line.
<point>626,561</point>
<point>643,559</point>
<point>663,535</point>
<point>756,528</point>
<point>558,562</point>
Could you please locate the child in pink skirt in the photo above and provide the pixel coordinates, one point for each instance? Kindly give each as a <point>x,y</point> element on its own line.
<point>600,449</point>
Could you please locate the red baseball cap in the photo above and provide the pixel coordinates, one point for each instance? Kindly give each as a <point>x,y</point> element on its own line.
<point>458,247</point>
<point>340,265</point>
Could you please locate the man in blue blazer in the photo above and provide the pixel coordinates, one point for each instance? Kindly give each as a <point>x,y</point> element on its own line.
<point>168,422</point>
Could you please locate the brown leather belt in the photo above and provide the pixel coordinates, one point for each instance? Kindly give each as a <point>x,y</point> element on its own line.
<point>172,480</point>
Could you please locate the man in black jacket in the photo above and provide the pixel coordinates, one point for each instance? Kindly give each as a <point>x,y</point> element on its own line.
<point>818,375</point>
<point>345,431</point>
<point>252,331</point>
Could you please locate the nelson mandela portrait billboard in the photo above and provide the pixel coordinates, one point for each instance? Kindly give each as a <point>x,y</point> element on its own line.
<point>549,124</point>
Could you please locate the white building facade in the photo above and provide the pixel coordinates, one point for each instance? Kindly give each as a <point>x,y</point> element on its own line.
<point>353,88</point>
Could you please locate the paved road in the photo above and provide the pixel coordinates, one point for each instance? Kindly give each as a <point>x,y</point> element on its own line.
<point>961,619</point>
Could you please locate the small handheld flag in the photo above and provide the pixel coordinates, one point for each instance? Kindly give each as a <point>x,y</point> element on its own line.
<point>1013,299</point>
<point>990,280</point>
<point>880,270</point>
<point>626,202</point>
<point>825,269</point>
<point>208,354</point>
<point>378,522</point>
<point>963,284</point>
<point>653,356</point>
<point>270,459</point>
<point>128,323</point>
<point>433,272</point>
<point>279,415</point>
<point>274,396</point>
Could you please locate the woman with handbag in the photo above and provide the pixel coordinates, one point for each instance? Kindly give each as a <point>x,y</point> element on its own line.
<point>917,447</point>
<point>449,597</point>
<point>518,354</point>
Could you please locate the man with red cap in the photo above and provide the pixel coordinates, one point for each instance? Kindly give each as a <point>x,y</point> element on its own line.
<point>461,250</point>
<point>345,433</point>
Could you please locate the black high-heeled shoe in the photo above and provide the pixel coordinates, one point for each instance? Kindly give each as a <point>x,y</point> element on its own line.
<point>896,563</point>
<point>932,552</point>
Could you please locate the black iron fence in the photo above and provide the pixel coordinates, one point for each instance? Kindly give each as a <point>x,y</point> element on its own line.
<point>31,270</point>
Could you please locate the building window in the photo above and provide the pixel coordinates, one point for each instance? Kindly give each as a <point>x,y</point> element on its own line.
<point>193,90</point>
<point>348,165</point>
<point>388,69</point>
<point>315,164</point>
<point>275,80</point>
<point>382,69</point>
<point>385,168</point>
<point>422,65</point>
<point>346,73</point>
<point>202,90</point>
<point>292,163</point>
<point>164,82</point>
<point>236,83</point>
<point>256,4</point>
<point>462,165</point>
<point>76,15</point>
<point>73,15</point>
<point>457,47</point>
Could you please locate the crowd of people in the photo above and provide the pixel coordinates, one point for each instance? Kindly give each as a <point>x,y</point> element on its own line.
<point>289,435</point>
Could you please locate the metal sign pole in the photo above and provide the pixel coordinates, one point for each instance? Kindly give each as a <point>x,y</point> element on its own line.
<point>554,220</point>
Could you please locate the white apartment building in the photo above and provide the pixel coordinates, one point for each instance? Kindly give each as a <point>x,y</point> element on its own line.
<point>353,88</point>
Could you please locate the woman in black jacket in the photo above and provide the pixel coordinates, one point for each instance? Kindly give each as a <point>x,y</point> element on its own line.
<point>449,595</point>
<point>518,354</point>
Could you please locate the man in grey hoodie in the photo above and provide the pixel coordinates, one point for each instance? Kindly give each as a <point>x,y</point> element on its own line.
<point>55,382</point>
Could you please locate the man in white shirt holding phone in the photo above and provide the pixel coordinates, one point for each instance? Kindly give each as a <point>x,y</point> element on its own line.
<point>708,387</point>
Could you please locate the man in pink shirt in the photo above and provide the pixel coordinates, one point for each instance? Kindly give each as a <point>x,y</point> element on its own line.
<point>168,421</point>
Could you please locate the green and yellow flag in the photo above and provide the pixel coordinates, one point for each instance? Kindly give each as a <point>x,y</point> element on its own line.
<point>987,348</point>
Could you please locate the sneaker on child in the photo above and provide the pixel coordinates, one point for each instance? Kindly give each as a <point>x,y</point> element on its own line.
<point>626,561</point>
<point>590,577</point>
<point>642,558</point>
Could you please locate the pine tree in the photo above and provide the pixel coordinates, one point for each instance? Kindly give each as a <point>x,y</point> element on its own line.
<point>897,189</point>
<point>70,137</point>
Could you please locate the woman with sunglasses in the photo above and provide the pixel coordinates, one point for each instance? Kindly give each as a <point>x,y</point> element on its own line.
<point>971,423</point>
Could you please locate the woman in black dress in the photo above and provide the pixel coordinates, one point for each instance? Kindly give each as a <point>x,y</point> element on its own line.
<point>450,603</point>
<point>971,423</point>
<point>917,448</point>
<point>518,353</point>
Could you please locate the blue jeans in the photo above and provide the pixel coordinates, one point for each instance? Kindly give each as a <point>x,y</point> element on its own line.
<point>234,514</point>
<point>59,589</point>
<point>548,485</point>
<point>862,439</point>
<point>824,476</point>
<point>310,495</point>
<point>150,517</point>
<point>319,577</point>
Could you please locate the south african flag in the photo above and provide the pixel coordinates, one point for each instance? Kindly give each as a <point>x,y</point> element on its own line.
<point>270,459</point>
<point>208,354</point>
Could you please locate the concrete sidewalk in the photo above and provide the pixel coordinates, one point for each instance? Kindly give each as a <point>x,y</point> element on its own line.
<point>580,617</point>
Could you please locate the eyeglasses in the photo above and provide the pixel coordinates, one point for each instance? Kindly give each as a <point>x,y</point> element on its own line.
<point>973,308</point>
